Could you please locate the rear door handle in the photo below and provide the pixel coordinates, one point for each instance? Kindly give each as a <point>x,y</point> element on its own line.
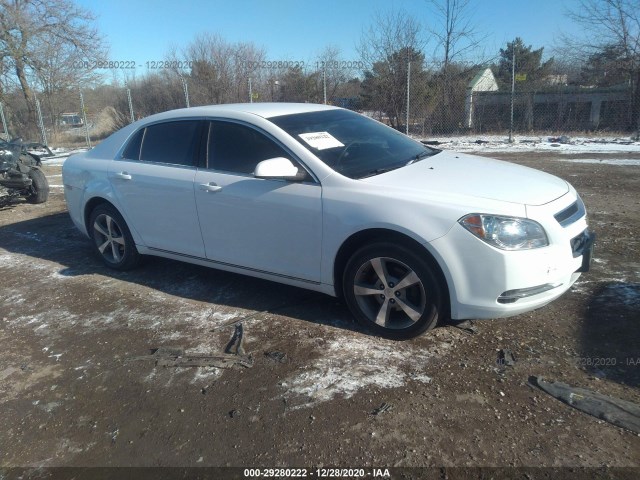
<point>123,175</point>
<point>210,187</point>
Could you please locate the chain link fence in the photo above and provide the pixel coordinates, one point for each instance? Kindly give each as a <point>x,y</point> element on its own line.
<point>426,101</point>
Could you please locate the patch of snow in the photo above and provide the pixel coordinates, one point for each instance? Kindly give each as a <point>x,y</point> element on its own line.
<point>205,374</point>
<point>224,316</point>
<point>607,161</point>
<point>500,144</point>
<point>50,407</point>
<point>55,162</point>
<point>350,364</point>
<point>60,155</point>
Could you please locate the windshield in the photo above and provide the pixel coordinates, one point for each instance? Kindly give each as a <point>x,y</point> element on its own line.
<point>352,144</point>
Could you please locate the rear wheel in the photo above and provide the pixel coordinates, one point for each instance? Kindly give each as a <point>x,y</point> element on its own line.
<point>112,239</point>
<point>39,189</point>
<point>392,291</point>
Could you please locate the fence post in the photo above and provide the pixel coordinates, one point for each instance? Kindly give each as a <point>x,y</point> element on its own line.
<point>513,89</point>
<point>408,92</point>
<point>130,105</point>
<point>186,90</point>
<point>84,120</point>
<point>324,84</point>
<point>5,129</point>
<point>43,134</point>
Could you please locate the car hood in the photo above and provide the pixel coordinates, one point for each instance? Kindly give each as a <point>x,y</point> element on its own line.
<point>474,176</point>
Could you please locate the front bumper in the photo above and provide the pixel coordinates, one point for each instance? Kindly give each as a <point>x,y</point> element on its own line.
<point>486,282</point>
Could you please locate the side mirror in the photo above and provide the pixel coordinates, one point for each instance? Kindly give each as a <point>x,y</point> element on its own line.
<point>279,168</point>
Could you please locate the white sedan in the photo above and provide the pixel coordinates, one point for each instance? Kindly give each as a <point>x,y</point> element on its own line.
<point>326,199</point>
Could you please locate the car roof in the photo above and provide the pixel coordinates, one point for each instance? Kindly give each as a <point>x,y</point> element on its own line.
<point>265,110</point>
<point>109,146</point>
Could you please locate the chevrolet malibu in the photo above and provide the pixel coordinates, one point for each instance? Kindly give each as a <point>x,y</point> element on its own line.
<point>327,199</point>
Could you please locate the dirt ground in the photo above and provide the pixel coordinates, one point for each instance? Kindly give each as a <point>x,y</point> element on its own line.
<point>73,394</point>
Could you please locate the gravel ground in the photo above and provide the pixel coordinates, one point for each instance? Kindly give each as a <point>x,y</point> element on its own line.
<point>72,392</point>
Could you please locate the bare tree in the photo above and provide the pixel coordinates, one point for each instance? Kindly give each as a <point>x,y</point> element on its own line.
<point>388,33</point>
<point>59,74</point>
<point>456,37</point>
<point>331,70</point>
<point>31,31</point>
<point>387,47</point>
<point>211,59</point>
<point>219,70</point>
<point>611,26</point>
<point>454,31</point>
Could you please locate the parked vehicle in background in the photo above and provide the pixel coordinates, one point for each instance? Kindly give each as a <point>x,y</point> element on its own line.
<point>326,199</point>
<point>71,120</point>
<point>20,172</point>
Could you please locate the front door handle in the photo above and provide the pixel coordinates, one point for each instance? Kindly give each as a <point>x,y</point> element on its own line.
<point>123,175</point>
<point>210,187</point>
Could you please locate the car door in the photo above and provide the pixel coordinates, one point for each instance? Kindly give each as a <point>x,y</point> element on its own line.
<point>272,226</point>
<point>153,182</point>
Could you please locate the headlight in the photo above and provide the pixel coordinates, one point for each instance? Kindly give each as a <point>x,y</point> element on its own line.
<point>506,233</point>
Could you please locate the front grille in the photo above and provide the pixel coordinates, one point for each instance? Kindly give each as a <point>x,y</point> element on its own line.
<point>570,214</point>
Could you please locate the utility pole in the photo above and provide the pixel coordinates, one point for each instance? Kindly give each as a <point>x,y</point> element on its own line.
<point>408,90</point>
<point>4,122</point>
<point>84,119</point>
<point>43,133</point>
<point>185,88</point>
<point>513,88</point>
<point>130,105</point>
<point>324,84</point>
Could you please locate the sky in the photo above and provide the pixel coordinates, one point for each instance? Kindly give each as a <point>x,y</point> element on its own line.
<point>298,30</point>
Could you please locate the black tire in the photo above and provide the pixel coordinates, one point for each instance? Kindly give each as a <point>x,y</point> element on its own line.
<point>112,240</point>
<point>410,301</point>
<point>39,189</point>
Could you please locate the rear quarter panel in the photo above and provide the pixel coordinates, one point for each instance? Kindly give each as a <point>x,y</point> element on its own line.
<point>85,178</point>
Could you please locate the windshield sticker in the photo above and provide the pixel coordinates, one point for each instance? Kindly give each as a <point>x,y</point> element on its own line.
<point>321,140</point>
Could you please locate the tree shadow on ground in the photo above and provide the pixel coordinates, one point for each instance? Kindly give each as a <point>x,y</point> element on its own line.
<point>611,333</point>
<point>54,238</point>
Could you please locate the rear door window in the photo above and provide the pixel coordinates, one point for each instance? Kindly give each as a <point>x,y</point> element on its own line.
<point>132,150</point>
<point>173,143</point>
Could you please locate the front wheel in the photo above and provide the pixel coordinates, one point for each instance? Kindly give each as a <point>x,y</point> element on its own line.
<point>39,189</point>
<point>392,291</point>
<point>112,239</point>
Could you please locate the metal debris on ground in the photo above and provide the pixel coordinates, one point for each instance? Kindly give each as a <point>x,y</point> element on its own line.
<point>385,407</point>
<point>532,350</point>
<point>621,413</point>
<point>234,413</point>
<point>276,356</point>
<point>219,361</point>
<point>561,139</point>
<point>506,358</point>
<point>176,357</point>
<point>169,351</point>
<point>467,326</point>
<point>236,344</point>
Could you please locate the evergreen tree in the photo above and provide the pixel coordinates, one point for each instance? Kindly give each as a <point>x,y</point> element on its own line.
<point>528,63</point>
